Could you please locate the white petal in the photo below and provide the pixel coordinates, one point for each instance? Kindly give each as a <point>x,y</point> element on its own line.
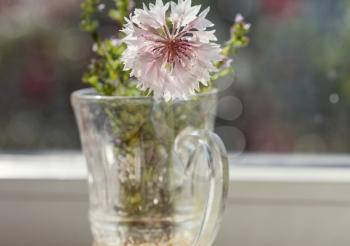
<point>201,23</point>
<point>204,36</point>
<point>183,13</point>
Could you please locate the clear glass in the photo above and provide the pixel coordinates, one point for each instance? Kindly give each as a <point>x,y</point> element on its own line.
<point>158,175</point>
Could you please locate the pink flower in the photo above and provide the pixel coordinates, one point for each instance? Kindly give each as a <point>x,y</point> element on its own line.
<point>169,49</point>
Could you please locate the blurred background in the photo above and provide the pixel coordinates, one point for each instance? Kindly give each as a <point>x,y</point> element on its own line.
<point>291,93</point>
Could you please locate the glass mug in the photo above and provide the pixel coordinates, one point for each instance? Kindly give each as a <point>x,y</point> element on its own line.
<point>157,173</point>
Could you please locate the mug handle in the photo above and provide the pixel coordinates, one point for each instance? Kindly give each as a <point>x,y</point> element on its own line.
<point>199,141</point>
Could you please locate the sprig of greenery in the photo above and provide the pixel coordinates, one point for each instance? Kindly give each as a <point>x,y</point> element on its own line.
<point>239,39</point>
<point>89,22</point>
<point>120,12</point>
<point>106,73</point>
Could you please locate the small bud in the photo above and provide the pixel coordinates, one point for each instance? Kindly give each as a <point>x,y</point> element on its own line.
<point>131,4</point>
<point>115,41</point>
<point>94,47</point>
<point>227,63</point>
<point>239,18</point>
<point>101,7</point>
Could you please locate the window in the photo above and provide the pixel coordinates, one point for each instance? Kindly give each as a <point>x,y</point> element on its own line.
<point>293,81</point>
<point>42,55</point>
<point>291,92</point>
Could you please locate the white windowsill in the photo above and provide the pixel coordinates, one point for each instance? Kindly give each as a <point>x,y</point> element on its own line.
<point>252,179</point>
<point>247,167</point>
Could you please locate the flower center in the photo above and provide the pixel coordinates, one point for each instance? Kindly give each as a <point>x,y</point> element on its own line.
<point>173,50</point>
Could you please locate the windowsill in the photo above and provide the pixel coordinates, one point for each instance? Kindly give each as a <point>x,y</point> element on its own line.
<point>246,167</point>
<point>47,166</point>
<point>251,177</point>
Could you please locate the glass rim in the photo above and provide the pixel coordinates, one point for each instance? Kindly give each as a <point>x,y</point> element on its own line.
<point>91,94</point>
